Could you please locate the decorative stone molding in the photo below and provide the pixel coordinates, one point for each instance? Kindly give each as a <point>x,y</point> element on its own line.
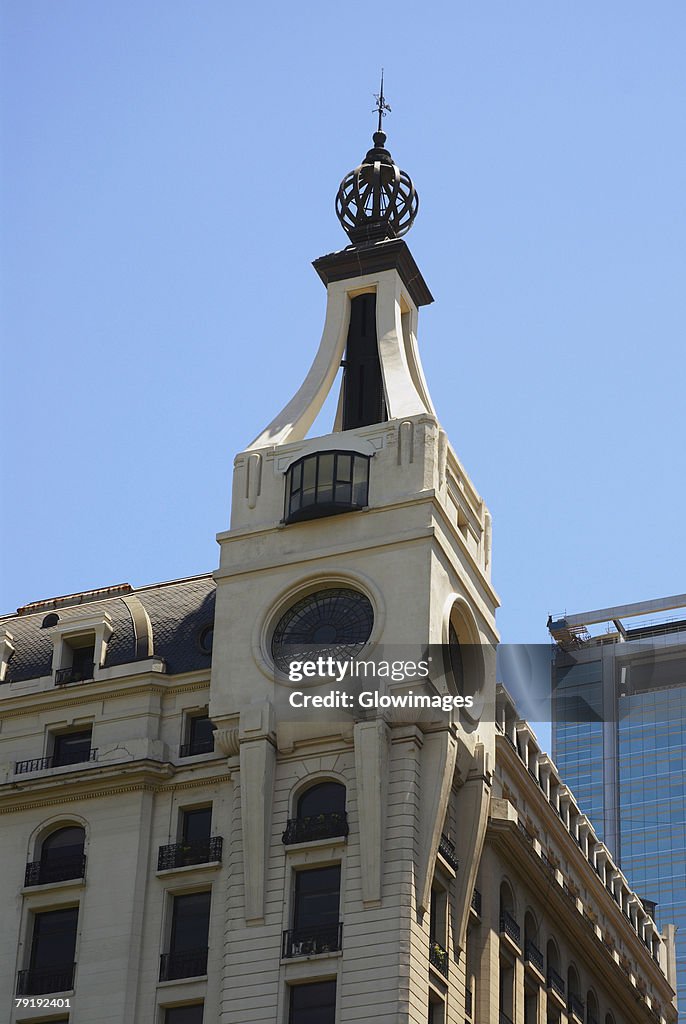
<point>226,740</point>
<point>371,770</point>
<point>6,652</point>
<point>100,626</point>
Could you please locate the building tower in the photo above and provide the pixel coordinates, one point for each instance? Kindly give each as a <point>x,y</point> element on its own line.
<point>367,542</point>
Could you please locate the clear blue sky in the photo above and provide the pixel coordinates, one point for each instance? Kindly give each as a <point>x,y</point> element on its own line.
<point>169,171</point>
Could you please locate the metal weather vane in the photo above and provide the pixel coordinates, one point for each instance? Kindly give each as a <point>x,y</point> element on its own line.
<point>381,107</point>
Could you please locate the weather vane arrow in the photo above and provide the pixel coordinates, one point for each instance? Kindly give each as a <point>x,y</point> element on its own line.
<point>381,107</point>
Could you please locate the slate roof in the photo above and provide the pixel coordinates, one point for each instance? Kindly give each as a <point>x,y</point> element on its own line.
<point>178,611</point>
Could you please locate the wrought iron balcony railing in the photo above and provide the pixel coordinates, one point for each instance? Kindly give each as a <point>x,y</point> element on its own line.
<point>534,956</point>
<point>576,1007</point>
<point>438,957</point>
<point>190,964</point>
<point>446,848</point>
<point>320,826</point>
<point>57,869</point>
<point>74,674</point>
<point>326,938</point>
<point>38,764</point>
<point>197,747</point>
<point>190,851</point>
<point>555,982</point>
<point>476,902</point>
<point>509,926</point>
<point>39,981</point>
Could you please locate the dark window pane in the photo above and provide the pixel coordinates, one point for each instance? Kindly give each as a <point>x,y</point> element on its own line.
<point>197,823</point>
<point>201,732</point>
<point>190,922</point>
<point>72,747</point>
<point>317,897</point>
<point>184,1014</point>
<point>325,798</point>
<point>325,478</point>
<point>63,840</point>
<point>343,468</point>
<point>54,938</point>
<point>296,477</point>
<point>360,481</point>
<point>83,659</point>
<point>313,1004</point>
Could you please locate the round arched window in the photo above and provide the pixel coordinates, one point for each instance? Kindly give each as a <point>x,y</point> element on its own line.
<point>320,814</point>
<point>334,622</point>
<point>61,855</point>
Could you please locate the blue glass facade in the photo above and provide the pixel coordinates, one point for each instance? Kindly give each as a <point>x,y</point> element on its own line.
<point>652,801</point>
<point>578,736</point>
<point>619,741</point>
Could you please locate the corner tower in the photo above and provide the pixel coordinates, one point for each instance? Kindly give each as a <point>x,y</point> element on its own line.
<point>367,542</point>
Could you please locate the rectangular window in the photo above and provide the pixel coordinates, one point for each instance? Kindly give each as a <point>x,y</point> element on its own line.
<point>313,1004</point>
<point>196,824</point>
<point>199,736</point>
<point>191,1014</point>
<point>317,897</point>
<point>187,956</point>
<point>53,948</point>
<point>316,928</point>
<point>72,747</point>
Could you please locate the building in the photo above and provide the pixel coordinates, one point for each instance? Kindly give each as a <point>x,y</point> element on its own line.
<point>619,738</point>
<point>184,841</point>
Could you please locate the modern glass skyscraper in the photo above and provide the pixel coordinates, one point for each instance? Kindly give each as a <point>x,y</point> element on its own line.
<point>619,741</point>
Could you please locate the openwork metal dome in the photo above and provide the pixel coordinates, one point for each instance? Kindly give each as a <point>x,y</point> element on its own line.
<point>377,200</point>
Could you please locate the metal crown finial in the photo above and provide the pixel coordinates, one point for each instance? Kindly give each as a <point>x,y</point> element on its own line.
<point>381,107</point>
<point>377,200</point>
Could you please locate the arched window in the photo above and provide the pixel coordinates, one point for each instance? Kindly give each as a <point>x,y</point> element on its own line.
<point>554,979</point>
<point>574,1000</point>
<point>508,923</point>
<point>592,1011</point>
<point>320,814</point>
<point>61,857</point>
<point>609,1019</point>
<point>532,954</point>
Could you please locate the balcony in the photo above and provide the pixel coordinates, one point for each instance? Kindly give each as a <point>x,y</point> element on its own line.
<point>556,983</point>
<point>322,826</point>
<point>38,764</point>
<point>576,1008</point>
<point>190,964</point>
<point>60,869</point>
<point>196,747</point>
<point>189,852</point>
<point>476,902</point>
<point>533,956</point>
<point>312,941</point>
<point>40,981</point>
<point>509,927</point>
<point>74,674</point>
<point>446,848</point>
<point>438,957</point>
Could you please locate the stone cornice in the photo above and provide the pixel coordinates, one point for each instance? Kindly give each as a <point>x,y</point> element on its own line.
<point>99,783</point>
<point>20,704</point>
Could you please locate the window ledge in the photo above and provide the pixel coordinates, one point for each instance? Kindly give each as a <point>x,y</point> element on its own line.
<point>316,844</point>
<point>181,981</point>
<point>314,958</point>
<point>213,864</point>
<point>68,883</point>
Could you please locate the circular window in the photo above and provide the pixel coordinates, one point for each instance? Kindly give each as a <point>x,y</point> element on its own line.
<point>334,622</point>
<point>50,620</point>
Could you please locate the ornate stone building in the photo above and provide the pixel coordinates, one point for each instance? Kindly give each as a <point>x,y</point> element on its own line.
<point>181,844</point>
